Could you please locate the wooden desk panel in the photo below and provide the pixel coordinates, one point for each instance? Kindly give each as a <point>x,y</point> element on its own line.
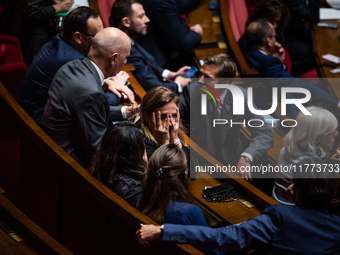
<point>326,41</point>
<point>211,27</point>
<point>226,213</point>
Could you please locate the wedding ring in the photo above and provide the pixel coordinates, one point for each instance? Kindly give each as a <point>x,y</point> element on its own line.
<point>175,123</point>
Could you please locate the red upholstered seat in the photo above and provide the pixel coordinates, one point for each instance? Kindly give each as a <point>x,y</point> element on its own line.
<point>105,7</point>
<point>10,51</point>
<point>288,63</point>
<point>238,15</point>
<point>310,74</point>
<point>12,66</point>
<point>12,75</point>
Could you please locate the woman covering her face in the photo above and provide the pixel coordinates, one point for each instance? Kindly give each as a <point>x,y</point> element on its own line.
<point>160,119</point>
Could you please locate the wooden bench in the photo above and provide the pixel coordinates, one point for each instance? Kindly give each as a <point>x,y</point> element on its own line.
<point>59,195</point>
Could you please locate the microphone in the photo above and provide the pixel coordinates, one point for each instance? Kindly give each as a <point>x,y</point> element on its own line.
<point>60,17</point>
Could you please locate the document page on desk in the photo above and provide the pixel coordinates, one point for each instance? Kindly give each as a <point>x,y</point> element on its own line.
<point>329,13</point>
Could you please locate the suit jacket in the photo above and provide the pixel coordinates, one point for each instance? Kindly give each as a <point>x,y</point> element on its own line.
<point>187,214</point>
<point>228,142</point>
<point>37,28</point>
<point>76,114</point>
<point>279,230</point>
<point>271,67</point>
<point>33,92</point>
<point>167,31</point>
<point>301,13</point>
<point>126,187</point>
<point>144,73</point>
<point>266,65</point>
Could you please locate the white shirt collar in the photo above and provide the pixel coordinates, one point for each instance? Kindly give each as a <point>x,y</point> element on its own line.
<point>100,73</point>
<point>263,52</point>
<point>132,41</point>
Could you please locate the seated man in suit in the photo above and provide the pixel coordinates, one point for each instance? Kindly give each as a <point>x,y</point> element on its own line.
<point>229,147</point>
<point>267,55</point>
<point>77,111</point>
<point>81,25</point>
<point>129,16</point>
<point>307,228</point>
<point>169,39</point>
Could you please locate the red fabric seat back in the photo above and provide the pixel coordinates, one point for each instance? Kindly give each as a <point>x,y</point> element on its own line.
<point>12,66</point>
<point>10,51</point>
<point>238,15</point>
<point>12,75</point>
<point>105,7</point>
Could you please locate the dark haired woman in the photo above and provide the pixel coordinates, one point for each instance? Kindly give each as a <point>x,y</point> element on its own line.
<point>166,197</point>
<point>120,162</point>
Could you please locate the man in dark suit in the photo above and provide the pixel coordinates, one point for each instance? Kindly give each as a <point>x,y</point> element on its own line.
<point>169,40</point>
<point>224,142</point>
<point>267,56</point>
<point>77,112</point>
<point>81,25</point>
<point>129,16</point>
<point>307,228</point>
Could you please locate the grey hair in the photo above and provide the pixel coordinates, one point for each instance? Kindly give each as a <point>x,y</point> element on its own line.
<point>308,129</point>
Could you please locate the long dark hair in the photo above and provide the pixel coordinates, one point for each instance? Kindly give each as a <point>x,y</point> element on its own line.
<point>165,181</point>
<point>121,152</point>
<point>270,9</point>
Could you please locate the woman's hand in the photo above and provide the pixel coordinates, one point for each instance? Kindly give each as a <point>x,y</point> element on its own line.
<point>336,157</point>
<point>160,129</point>
<point>174,128</point>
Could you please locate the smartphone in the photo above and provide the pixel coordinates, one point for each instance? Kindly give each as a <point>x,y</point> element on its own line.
<point>214,5</point>
<point>328,25</point>
<point>190,72</point>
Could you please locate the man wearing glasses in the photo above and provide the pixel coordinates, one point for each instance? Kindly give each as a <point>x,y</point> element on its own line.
<point>80,26</point>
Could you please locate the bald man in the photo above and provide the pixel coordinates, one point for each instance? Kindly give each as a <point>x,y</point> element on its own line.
<point>77,112</point>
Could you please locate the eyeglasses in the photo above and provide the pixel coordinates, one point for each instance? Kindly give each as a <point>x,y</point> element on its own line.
<point>88,34</point>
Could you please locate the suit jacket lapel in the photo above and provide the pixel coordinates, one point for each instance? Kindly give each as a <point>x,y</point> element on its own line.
<point>92,69</point>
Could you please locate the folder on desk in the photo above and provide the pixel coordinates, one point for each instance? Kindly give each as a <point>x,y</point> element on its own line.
<point>329,13</point>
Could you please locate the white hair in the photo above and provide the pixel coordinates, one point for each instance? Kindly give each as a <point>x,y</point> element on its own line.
<point>301,139</point>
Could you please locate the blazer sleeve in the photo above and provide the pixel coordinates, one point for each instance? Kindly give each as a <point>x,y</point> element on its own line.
<point>274,69</point>
<point>92,120</point>
<point>261,136</point>
<point>38,10</point>
<point>194,216</point>
<point>308,12</point>
<point>249,235</point>
<point>145,75</point>
<point>116,113</point>
<point>174,27</point>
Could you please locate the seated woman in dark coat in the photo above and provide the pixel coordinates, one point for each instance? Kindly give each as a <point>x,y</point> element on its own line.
<point>120,162</point>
